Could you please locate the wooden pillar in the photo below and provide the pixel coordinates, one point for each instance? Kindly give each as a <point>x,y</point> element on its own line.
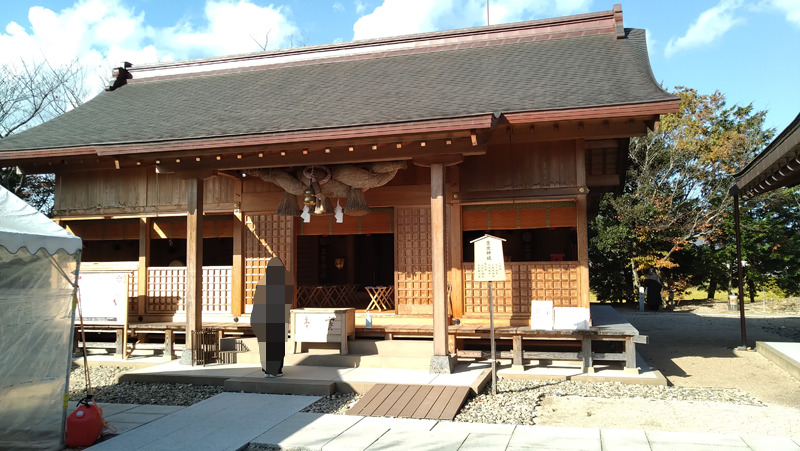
<point>441,361</point>
<point>738,232</point>
<point>582,225</point>
<point>237,270</point>
<point>144,263</point>
<point>455,246</point>
<point>194,259</point>
<point>439,275</point>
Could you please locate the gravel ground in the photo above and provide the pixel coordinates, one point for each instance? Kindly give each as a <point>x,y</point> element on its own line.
<point>106,390</point>
<point>714,386</point>
<point>517,401</point>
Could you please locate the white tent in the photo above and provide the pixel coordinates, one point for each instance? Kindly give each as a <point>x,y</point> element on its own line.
<point>39,264</point>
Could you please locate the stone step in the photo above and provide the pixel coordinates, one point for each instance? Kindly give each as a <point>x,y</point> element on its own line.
<point>280,386</point>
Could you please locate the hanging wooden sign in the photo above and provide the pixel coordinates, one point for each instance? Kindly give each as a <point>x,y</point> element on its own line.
<point>489,263</point>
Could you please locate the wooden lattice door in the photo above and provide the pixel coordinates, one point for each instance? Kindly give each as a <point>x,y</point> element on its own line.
<point>265,232</point>
<point>413,273</point>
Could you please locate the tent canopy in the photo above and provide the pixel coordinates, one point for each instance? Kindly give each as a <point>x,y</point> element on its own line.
<point>39,264</point>
<point>23,226</point>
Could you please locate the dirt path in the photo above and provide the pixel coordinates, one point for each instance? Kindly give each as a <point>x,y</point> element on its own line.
<point>696,346</point>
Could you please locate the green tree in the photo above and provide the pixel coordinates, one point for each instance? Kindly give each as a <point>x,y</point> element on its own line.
<point>32,93</point>
<point>676,191</point>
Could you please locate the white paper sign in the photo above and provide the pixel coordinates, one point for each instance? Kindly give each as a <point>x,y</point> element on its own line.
<point>489,265</point>
<point>571,318</point>
<point>542,315</point>
<point>103,297</point>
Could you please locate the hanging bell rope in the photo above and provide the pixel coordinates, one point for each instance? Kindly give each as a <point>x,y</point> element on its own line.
<point>288,205</point>
<point>377,174</point>
<point>356,204</point>
<point>317,176</point>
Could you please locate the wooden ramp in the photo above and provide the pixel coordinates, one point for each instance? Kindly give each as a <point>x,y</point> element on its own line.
<point>438,402</point>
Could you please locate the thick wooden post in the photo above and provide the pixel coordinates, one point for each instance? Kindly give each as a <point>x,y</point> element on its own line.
<point>582,225</point>
<point>194,260</point>
<point>738,230</point>
<point>237,271</point>
<point>440,362</point>
<point>454,239</point>
<point>144,263</point>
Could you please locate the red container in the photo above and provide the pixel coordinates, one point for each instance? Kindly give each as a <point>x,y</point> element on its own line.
<point>84,426</point>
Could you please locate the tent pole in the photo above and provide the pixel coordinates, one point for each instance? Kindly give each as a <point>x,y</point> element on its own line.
<point>74,301</point>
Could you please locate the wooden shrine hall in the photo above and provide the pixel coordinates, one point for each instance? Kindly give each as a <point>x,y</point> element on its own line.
<point>367,167</point>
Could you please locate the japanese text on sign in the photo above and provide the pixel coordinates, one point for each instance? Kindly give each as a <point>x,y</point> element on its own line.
<point>489,264</point>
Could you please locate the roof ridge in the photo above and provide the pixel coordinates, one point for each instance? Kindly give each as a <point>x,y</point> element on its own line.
<point>576,25</point>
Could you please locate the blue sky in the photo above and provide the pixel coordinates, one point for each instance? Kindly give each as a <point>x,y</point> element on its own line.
<point>748,50</point>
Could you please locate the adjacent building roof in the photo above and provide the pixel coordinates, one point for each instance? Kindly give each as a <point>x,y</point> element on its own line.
<point>576,62</point>
<point>777,166</point>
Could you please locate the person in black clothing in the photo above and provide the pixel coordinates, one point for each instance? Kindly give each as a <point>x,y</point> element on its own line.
<point>653,284</point>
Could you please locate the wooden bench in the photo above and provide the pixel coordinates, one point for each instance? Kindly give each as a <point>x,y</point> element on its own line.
<point>167,329</point>
<point>607,326</point>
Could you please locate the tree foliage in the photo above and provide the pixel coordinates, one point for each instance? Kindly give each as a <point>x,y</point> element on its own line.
<point>675,193</point>
<point>32,93</point>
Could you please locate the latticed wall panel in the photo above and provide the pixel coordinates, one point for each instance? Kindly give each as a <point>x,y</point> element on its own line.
<point>262,233</point>
<point>133,291</point>
<point>217,285</point>
<point>413,272</point>
<point>525,282</point>
<point>166,289</point>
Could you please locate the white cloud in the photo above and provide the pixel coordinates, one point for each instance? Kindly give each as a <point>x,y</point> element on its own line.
<point>338,7</point>
<point>232,28</point>
<point>396,17</point>
<point>789,7</point>
<point>103,33</point>
<point>360,6</point>
<point>709,26</point>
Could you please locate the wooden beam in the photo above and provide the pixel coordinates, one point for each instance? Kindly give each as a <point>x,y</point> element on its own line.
<point>439,273</point>
<point>340,155</point>
<point>603,180</point>
<point>566,130</point>
<point>138,212</point>
<point>455,248</point>
<point>443,159</point>
<point>582,226</point>
<point>323,137</point>
<point>194,259</point>
<point>237,271</point>
<point>518,195</point>
<point>144,264</point>
<point>590,113</point>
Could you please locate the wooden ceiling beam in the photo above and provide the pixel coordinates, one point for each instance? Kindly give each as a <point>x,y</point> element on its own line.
<point>320,157</point>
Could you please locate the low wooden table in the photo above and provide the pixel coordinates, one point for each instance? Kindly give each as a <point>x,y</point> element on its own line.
<point>381,297</point>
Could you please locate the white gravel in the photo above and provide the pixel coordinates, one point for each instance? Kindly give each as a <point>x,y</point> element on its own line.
<point>517,401</point>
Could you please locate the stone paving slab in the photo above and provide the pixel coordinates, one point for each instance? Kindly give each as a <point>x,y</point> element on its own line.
<point>761,443</point>
<point>483,442</point>
<point>446,427</point>
<point>694,441</point>
<point>224,421</point>
<point>419,441</point>
<point>306,430</point>
<point>624,439</point>
<point>555,438</point>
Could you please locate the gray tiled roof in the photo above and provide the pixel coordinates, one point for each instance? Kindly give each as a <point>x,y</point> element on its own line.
<point>563,73</point>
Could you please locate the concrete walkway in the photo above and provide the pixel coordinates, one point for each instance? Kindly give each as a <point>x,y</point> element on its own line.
<point>231,421</point>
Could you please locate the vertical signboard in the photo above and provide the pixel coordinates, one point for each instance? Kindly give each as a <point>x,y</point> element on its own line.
<point>489,267</point>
